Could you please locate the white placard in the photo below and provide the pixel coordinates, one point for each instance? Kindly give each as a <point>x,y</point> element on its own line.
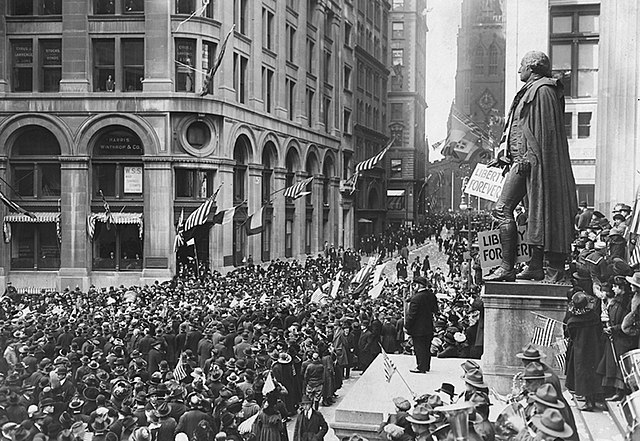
<point>485,182</point>
<point>133,179</point>
<point>490,252</point>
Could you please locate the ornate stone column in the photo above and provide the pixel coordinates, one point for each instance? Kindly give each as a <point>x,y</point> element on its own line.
<point>75,204</point>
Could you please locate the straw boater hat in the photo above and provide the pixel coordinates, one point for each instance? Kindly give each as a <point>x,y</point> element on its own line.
<point>552,423</point>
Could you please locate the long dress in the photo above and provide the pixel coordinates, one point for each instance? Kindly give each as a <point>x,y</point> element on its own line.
<point>285,375</point>
<point>585,332</point>
<point>619,306</point>
<point>268,426</point>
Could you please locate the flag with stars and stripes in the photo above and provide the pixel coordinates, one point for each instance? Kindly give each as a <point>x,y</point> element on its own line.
<point>108,219</point>
<point>370,163</point>
<point>200,215</point>
<point>543,335</point>
<point>297,190</point>
<point>179,241</point>
<point>389,367</point>
<point>207,86</point>
<point>179,372</point>
<point>561,355</point>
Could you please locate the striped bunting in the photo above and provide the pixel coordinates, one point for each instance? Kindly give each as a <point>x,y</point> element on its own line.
<point>297,190</point>
<point>179,240</point>
<point>543,335</point>
<point>370,163</point>
<point>199,217</point>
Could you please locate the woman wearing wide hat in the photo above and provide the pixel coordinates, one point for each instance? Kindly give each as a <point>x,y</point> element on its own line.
<point>619,306</point>
<point>584,329</point>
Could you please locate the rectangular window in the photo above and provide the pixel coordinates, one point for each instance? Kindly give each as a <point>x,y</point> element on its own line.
<point>293,5</point>
<point>267,89</point>
<point>240,16</point>
<point>240,64</point>
<point>347,33</point>
<point>397,29</point>
<point>185,6</point>
<point>35,246</point>
<point>586,192</point>
<point>22,79</point>
<point>267,29</point>
<point>397,111</point>
<point>51,7</point>
<point>106,7</point>
<point>132,64</point>
<point>21,7</point>
<point>118,180</point>
<point>310,94</point>
<point>397,57</point>
<point>208,57</point>
<point>104,178</point>
<point>312,13</point>
<point>328,25</point>
<point>51,62</point>
<point>288,238</point>
<point>104,65</point>
<point>584,124</point>
<point>397,4</point>
<point>290,43</point>
<point>327,114</point>
<point>308,228</point>
<point>346,117</point>
<point>193,184</point>
<point>568,124</point>
<point>311,47</point>
<point>291,97</point>
<point>347,77</point>
<point>327,67</point>
<point>574,48</point>
<point>117,249</point>
<point>185,60</point>
<point>133,6</point>
<point>396,167</point>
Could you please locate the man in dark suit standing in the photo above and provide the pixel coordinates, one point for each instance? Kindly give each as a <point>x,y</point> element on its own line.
<point>310,425</point>
<point>419,323</point>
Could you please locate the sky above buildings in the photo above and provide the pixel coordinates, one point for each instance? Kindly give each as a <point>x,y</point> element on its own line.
<point>443,20</point>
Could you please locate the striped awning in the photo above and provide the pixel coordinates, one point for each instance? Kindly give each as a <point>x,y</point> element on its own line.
<point>40,218</point>
<point>116,218</point>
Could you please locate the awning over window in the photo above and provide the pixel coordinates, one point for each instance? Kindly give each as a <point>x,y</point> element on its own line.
<point>41,217</point>
<point>116,218</point>
<point>395,193</point>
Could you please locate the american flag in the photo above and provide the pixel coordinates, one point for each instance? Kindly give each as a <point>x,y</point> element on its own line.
<point>179,241</point>
<point>207,86</point>
<point>370,163</point>
<point>107,211</point>
<point>389,367</point>
<point>179,372</point>
<point>297,190</point>
<point>200,215</point>
<point>15,207</point>
<point>634,233</point>
<point>435,145</point>
<point>543,335</point>
<point>317,296</point>
<point>471,125</point>
<point>561,355</point>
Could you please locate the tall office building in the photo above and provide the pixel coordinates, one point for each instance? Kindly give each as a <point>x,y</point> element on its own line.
<point>406,161</point>
<point>101,104</point>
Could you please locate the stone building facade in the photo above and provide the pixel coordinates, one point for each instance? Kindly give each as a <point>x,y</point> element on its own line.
<point>100,100</point>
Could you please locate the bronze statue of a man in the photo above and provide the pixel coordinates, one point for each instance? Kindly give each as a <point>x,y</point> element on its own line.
<point>535,157</point>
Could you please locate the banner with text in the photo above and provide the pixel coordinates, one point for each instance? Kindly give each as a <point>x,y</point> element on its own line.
<point>490,252</point>
<point>485,183</point>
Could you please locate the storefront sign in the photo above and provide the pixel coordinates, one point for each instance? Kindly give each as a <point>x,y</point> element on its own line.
<point>119,144</point>
<point>485,183</point>
<point>491,248</point>
<point>133,179</point>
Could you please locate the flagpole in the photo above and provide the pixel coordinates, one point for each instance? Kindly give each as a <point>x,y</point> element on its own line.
<point>547,318</point>
<point>413,394</point>
<point>195,253</point>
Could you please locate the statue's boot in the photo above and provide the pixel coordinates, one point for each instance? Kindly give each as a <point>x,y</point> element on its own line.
<point>555,272</point>
<point>534,269</point>
<point>506,272</point>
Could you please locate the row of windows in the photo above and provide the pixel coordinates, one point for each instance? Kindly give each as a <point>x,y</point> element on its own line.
<point>479,63</point>
<point>106,7</point>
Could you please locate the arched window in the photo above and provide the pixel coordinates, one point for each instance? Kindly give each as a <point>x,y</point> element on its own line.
<point>34,176</point>
<point>478,60</point>
<point>240,154</point>
<point>117,182</point>
<point>493,59</point>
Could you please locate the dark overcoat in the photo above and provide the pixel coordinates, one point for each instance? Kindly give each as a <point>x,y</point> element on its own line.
<point>552,203</point>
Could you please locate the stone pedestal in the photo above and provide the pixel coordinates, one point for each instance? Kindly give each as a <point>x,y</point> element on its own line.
<point>509,323</point>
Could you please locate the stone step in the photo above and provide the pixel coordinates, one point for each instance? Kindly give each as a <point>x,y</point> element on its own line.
<point>595,426</point>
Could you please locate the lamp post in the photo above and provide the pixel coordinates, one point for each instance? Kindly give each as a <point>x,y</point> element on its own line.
<point>467,207</point>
